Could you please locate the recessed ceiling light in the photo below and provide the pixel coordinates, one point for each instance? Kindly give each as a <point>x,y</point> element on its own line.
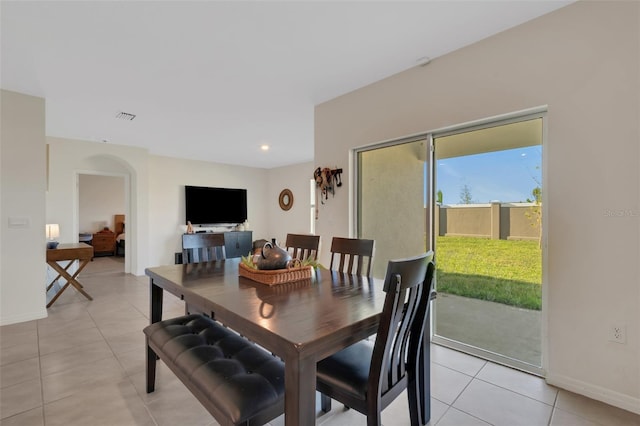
<point>264,147</point>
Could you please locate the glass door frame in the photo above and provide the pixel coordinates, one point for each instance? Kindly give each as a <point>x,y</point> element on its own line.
<point>534,113</point>
<point>354,195</point>
<point>429,136</point>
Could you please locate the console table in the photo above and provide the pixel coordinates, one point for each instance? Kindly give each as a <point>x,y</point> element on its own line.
<point>69,252</point>
<point>238,243</point>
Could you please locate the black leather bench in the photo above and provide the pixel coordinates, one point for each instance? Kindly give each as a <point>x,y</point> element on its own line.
<point>238,382</point>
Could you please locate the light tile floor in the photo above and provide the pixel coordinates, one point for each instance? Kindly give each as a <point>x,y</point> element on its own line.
<point>84,365</point>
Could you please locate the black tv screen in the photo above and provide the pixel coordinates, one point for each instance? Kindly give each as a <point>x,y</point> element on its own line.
<point>211,206</point>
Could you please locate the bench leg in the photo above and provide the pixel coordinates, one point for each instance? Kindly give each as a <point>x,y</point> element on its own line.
<point>151,369</point>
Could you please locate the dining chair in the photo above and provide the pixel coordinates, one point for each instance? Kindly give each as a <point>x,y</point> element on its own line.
<point>368,376</point>
<point>303,246</point>
<point>202,247</point>
<point>198,248</point>
<point>349,255</point>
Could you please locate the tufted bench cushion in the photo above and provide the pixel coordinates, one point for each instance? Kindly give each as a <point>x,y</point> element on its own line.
<point>236,381</point>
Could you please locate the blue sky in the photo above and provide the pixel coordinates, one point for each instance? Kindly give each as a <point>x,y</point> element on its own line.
<point>507,176</point>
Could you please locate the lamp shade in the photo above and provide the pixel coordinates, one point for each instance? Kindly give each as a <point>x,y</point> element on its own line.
<point>53,231</point>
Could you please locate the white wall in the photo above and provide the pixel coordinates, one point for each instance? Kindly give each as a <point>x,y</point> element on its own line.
<point>582,61</point>
<point>297,219</point>
<point>158,182</point>
<point>22,198</point>
<point>153,193</point>
<point>71,158</point>
<point>168,176</point>
<point>100,198</point>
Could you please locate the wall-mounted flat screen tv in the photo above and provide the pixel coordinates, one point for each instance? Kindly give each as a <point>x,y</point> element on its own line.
<point>213,206</point>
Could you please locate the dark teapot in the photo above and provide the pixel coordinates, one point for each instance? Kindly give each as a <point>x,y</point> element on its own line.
<point>273,257</point>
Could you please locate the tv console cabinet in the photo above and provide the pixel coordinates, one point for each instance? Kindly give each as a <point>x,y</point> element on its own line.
<point>236,244</point>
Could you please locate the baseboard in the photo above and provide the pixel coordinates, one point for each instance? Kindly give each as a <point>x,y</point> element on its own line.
<point>598,393</point>
<point>23,316</point>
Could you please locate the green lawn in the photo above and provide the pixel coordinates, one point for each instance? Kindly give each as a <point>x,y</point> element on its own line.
<point>503,271</point>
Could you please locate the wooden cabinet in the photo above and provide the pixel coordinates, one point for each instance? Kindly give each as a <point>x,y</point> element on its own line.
<point>104,243</point>
<point>237,243</point>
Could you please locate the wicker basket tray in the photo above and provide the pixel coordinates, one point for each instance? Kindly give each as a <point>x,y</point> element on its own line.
<point>277,276</point>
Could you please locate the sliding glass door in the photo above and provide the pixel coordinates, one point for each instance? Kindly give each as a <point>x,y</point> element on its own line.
<point>488,241</point>
<point>474,195</point>
<point>391,196</point>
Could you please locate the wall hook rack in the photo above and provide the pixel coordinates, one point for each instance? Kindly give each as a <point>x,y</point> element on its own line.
<point>327,180</point>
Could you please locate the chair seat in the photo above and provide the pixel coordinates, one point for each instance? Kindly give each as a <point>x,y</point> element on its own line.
<point>348,369</point>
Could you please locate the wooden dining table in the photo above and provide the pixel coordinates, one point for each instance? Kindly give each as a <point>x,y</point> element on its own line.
<point>301,322</point>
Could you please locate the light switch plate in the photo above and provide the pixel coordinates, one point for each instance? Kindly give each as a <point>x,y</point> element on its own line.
<point>18,222</point>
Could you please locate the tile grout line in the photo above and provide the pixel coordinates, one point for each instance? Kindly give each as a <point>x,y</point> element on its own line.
<point>474,377</point>
<point>518,393</point>
<point>44,418</point>
<point>127,375</point>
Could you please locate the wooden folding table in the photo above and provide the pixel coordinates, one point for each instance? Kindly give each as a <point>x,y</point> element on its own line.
<point>69,252</point>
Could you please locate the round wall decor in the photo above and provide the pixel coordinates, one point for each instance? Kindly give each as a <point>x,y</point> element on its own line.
<point>286,199</point>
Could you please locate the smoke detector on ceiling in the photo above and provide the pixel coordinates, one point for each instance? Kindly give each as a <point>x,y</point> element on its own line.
<point>125,116</point>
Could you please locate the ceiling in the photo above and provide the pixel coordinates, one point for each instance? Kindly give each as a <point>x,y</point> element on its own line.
<point>490,139</point>
<point>212,80</point>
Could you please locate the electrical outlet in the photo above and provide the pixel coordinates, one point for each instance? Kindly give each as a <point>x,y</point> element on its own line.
<point>618,333</point>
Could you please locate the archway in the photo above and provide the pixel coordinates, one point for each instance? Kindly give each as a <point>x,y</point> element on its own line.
<point>113,166</point>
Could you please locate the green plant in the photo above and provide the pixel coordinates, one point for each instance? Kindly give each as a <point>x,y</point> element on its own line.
<point>248,261</point>
<point>310,261</point>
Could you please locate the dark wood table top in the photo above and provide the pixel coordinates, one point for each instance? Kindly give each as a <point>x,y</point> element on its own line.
<point>305,315</point>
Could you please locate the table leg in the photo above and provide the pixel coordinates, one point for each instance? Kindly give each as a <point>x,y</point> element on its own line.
<point>58,276</point>
<point>155,298</point>
<point>155,315</point>
<point>151,368</point>
<point>80,268</point>
<point>300,391</point>
<point>55,297</point>
<point>71,280</point>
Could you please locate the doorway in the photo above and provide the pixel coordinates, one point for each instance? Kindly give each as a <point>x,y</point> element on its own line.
<point>486,234</point>
<point>487,207</point>
<point>101,210</point>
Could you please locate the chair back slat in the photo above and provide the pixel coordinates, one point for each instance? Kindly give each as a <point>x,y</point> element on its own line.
<point>202,247</point>
<point>351,254</point>
<point>408,285</point>
<point>303,246</point>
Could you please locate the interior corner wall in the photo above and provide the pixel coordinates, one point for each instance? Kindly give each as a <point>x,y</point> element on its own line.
<point>22,208</point>
<point>583,63</point>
